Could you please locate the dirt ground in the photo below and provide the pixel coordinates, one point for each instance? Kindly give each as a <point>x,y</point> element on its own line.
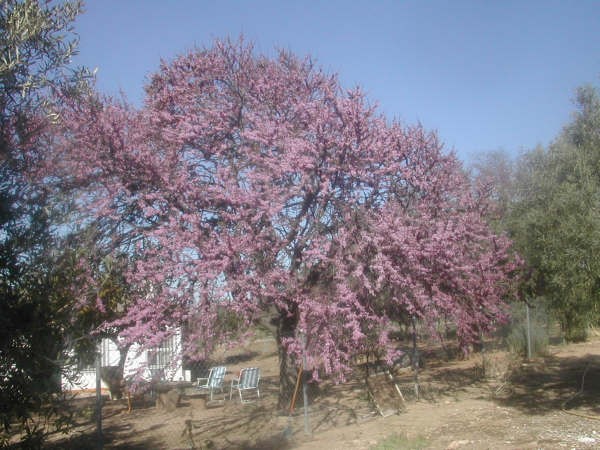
<point>489,402</point>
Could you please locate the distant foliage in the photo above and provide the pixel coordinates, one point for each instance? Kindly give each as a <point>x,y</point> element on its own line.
<point>555,220</point>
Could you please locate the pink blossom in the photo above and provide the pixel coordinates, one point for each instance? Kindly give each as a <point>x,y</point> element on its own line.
<point>251,184</point>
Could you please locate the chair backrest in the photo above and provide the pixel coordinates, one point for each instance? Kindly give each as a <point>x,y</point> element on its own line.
<point>216,376</point>
<point>249,377</point>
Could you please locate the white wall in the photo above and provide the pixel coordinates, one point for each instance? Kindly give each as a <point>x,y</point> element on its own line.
<point>136,365</point>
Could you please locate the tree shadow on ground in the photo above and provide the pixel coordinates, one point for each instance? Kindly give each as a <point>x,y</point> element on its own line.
<point>548,384</point>
<point>261,425</point>
<point>89,441</point>
<point>241,358</point>
<point>230,420</point>
<point>117,430</point>
<point>440,380</point>
<point>336,405</point>
<point>221,428</point>
<point>279,442</point>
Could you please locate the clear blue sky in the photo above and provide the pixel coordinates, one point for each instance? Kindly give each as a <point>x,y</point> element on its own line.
<point>485,74</point>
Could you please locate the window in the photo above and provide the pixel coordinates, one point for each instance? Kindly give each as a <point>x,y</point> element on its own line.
<point>161,356</point>
<point>110,353</point>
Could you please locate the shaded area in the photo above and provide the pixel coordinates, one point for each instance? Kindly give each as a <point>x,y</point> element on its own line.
<point>339,405</point>
<point>441,379</point>
<point>261,425</point>
<point>241,358</point>
<point>224,430</point>
<point>89,442</point>
<point>548,384</point>
<point>86,437</point>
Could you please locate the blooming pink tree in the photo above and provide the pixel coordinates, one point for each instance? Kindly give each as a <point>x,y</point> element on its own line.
<point>250,184</point>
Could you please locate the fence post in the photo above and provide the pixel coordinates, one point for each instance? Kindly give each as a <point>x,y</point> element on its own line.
<point>99,443</point>
<point>528,331</point>
<point>304,387</point>
<point>415,361</point>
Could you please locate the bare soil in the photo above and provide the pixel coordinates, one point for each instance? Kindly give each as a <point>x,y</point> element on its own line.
<point>486,402</point>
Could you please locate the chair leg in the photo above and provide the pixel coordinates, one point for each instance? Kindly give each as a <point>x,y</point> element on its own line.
<point>211,395</point>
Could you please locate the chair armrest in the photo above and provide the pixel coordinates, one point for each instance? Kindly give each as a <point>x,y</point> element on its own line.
<point>199,381</point>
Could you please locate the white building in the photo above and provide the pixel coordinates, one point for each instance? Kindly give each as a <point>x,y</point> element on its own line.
<point>163,363</point>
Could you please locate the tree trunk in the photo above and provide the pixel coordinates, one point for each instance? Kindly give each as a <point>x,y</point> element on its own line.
<point>286,327</point>
<point>113,376</point>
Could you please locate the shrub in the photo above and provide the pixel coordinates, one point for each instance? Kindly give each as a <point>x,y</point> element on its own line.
<point>516,335</point>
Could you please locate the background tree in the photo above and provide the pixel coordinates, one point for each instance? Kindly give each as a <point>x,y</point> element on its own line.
<point>495,172</point>
<point>36,46</point>
<point>554,219</point>
<point>244,183</point>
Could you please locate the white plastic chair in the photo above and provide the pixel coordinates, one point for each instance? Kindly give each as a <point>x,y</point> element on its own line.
<point>214,382</point>
<point>247,381</point>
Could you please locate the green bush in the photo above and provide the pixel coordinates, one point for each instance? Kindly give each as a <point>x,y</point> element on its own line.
<point>577,333</point>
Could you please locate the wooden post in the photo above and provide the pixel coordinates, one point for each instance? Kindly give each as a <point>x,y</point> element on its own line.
<point>293,403</point>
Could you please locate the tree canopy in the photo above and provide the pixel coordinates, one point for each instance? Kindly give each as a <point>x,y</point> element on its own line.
<point>36,46</point>
<point>254,184</point>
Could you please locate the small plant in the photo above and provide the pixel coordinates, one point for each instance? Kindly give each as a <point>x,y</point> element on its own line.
<point>399,442</point>
<point>516,338</point>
